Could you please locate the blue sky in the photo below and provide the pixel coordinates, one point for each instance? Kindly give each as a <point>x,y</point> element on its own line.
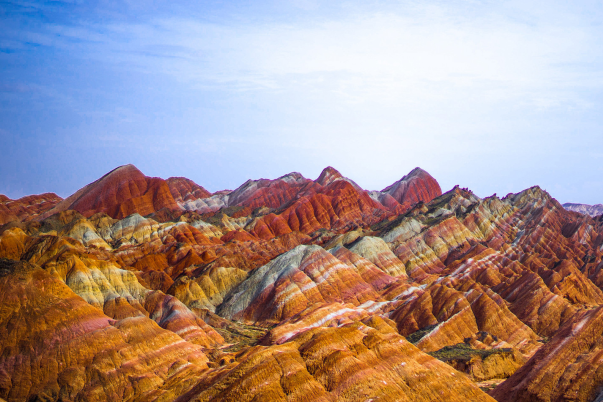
<point>496,96</point>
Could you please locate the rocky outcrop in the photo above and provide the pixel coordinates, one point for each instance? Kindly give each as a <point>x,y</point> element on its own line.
<point>349,363</point>
<point>330,175</point>
<point>376,251</point>
<point>416,186</point>
<point>482,364</point>
<point>207,290</point>
<point>294,281</point>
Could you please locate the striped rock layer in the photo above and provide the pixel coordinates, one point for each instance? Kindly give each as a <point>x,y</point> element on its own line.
<point>141,289</point>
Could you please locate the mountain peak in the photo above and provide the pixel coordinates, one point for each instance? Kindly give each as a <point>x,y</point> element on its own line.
<point>417,185</point>
<point>328,176</point>
<point>123,169</point>
<point>417,172</point>
<point>292,177</point>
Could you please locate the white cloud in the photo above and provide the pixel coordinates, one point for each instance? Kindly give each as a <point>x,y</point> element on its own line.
<point>420,54</point>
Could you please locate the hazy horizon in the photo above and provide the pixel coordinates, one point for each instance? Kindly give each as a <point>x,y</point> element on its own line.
<point>496,97</point>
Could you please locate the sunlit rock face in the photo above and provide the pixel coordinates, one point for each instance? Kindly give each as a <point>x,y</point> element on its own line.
<point>294,281</point>
<point>141,289</point>
<point>416,186</point>
<point>377,251</point>
<point>359,361</point>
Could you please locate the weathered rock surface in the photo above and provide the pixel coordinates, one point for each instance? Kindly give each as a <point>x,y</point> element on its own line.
<point>56,346</point>
<point>482,364</point>
<point>294,281</point>
<point>184,190</point>
<point>416,186</point>
<point>291,289</point>
<point>569,367</point>
<point>350,363</point>
<point>376,251</point>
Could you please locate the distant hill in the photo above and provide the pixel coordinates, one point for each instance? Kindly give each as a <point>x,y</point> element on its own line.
<point>592,210</point>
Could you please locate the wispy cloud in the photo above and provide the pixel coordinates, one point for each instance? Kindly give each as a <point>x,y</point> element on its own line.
<point>425,53</point>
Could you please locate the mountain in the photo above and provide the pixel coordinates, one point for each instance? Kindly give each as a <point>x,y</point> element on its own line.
<point>416,186</point>
<point>121,192</point>
<point>143,289</point>
<point>592,210</point>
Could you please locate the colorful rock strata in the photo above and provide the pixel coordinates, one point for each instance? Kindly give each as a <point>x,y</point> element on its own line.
<point>143,289</point>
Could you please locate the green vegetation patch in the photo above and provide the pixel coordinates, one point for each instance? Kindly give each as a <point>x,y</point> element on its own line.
<point>416,336</point>
<point>433,220</point>
<point>465,352</point>
<point>241,336</point>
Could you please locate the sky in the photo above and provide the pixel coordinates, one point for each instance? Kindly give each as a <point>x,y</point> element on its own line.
<point>496,96</point>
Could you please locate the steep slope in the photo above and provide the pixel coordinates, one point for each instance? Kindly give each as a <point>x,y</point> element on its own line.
<point>360,361</point>
<point>417,186</point>
<point>568,368</point>
<point>330,174</point>
<point>294,281</point>
<point>295,289</point>
<point>56,346</point>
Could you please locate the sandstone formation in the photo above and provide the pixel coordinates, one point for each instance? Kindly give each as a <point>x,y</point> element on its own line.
<point>355,362</point>
<point>481,365</point>
<point>569,367</point>
<point>57,346</point>
<point>141,289</point>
